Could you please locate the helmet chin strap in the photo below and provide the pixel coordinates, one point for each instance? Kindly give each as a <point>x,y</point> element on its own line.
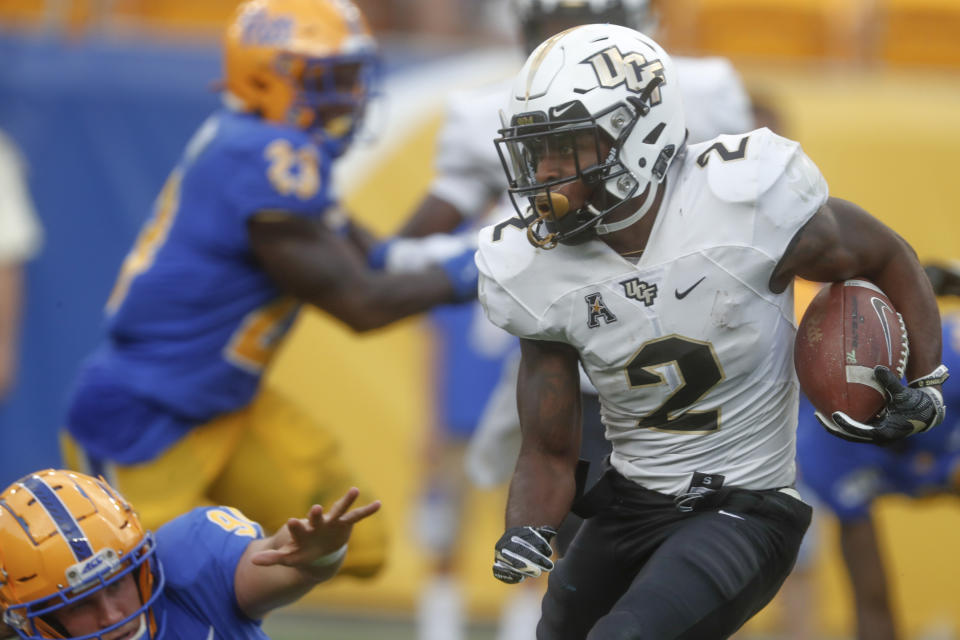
<point>141,633</point>
<point>645,205</point>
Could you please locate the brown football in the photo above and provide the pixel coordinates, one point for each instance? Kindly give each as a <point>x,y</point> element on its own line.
<point>849,328</point>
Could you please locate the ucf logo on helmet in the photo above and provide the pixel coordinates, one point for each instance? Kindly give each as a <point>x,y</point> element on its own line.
<point>614,68</point>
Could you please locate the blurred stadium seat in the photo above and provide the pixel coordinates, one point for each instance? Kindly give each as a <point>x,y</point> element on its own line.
<point>174,18</point>
<point>177,15</point>
<point>779,30</point>
<point>920,32</point>
<point>169,16</point>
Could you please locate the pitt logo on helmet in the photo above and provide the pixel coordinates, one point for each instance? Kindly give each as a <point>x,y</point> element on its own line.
<point>261,29</point>
<point>311,64</point>
<point>614,68</point>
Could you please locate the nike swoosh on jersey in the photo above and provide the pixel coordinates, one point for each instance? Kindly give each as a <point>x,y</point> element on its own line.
<point>681,296</point>
<point>210,635</point>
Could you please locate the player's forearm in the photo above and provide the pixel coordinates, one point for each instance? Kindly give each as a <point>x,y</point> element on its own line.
<point>541,491</point>
<point>379,299</point>
<point>870,249</point>
<point>903,280</point>
<point>434,215</point>
<point>261,589</point>
<point>548,401</point>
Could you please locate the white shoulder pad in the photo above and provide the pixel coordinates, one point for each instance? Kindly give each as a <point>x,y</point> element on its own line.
<point>521,286</point>
<point>504,260</point>
<point>715,101</point>
<point>741,168</point>
<point>769,175</point>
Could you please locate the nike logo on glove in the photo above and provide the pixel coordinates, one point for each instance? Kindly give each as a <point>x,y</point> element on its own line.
<point>681,296</point>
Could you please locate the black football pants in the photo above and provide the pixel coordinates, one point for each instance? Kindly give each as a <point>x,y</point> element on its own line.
<point>642,570</point>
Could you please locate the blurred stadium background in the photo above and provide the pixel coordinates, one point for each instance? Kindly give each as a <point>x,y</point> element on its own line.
<point>102,94</point>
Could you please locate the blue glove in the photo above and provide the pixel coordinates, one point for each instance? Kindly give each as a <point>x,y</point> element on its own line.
<point>462,271</point>
<point>377,258</point>
<point>523,552</point>
<point>911,409</point>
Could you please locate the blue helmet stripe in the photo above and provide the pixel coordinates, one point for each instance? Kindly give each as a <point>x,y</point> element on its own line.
<point>67,525</point>
<point>17,517</point>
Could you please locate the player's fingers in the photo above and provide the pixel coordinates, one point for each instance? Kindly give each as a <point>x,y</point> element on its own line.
<point>340,506</point>
<point>854,427</point>
<point>505,573</point>
<point>835,429</point>
<point>299,528</point>
<point>315,516</point>
<point>267,557</point>
<point>356,515</point>
<point>888,380</point>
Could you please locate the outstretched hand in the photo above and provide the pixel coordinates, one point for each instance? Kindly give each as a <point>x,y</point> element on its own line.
<point>319,534</point>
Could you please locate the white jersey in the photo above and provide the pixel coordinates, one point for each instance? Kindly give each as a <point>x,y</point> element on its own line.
<point>20,232</point>
<point>470,176</point>
<point>689,349</point>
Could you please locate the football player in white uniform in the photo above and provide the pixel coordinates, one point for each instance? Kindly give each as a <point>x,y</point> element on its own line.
<point>666,270</point>
<point>469,188</point>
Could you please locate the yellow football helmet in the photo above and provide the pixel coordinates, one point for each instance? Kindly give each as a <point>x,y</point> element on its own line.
<point>308,63</point>
<point>64,536</point>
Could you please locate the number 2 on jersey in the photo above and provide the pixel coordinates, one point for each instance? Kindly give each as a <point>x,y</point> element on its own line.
<point>725,154</point>
<point>699,370</point>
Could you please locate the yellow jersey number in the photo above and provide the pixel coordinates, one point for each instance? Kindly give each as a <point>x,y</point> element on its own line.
<point>293,171</point>
<point>151,238</point>
<point>253,344</point>
<point>230,519</point>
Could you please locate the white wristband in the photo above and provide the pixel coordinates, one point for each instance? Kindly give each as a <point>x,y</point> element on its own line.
<point>331,558</point>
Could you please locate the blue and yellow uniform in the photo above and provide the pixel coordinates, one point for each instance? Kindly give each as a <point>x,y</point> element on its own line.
<point>849,476</point>
<point>199,552</point>
<point>192,323</point>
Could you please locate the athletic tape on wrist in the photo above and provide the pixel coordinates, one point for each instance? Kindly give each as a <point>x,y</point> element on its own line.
<point>935,378</point>
<point>331,558</point>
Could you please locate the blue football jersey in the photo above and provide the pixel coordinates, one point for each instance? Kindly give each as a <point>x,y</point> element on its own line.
<point>199,552</point>
<point>470,354</point>
<point>193,320</point>
<point>848,476</point>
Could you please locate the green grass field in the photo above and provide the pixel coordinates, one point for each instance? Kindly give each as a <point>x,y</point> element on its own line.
<point>305,625</point>
<point>311,626</point>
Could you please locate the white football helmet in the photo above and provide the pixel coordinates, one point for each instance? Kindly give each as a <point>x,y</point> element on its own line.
<point>540,19</point>
<point>603,81</point>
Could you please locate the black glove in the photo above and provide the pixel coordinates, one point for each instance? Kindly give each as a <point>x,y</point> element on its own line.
<point>911,409</point>
<point>523,552</point>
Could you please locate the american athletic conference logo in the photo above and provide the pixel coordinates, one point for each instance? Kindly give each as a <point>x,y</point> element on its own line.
<point>614,68</point>
<point>597,310</point>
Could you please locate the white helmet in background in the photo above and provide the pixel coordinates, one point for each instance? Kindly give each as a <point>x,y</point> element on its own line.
<point>540,19</point>
<point>613,85</point>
